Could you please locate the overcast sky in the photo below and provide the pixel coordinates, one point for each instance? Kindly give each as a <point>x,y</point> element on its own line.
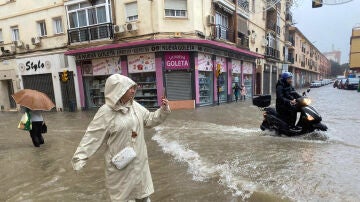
<point>328,25</point>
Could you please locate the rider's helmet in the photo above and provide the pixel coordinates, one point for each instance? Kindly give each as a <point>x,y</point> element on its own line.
<point>286,75</point>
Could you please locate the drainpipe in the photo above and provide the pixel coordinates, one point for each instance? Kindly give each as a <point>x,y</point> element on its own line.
<point>113,16</point>
<point>236,24</point>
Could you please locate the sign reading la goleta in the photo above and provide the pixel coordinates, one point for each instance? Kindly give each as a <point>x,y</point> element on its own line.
<point>177,60</point>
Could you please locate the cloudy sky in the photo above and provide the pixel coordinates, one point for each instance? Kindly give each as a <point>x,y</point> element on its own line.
<point>328,26</point>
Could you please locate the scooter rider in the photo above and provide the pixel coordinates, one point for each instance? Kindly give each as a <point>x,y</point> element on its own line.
<point>286,99</point>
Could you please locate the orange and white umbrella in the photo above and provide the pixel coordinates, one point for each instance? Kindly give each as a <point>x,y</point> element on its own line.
<point>33,99</point>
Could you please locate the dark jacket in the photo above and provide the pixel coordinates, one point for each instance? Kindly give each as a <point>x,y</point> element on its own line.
<point>284,94</point>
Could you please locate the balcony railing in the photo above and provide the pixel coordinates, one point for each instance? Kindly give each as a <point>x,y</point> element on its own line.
<point>272,53</point>
<point>274,28</point>
<point>243,42</point>
<point>291,39</point>
<point>222,32</point>
<point>289,17</point>
<point>90,33</point>
<point>290,59</point>
<point>302,64</point>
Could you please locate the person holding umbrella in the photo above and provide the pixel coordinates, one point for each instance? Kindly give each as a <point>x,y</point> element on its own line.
<point>37,122</point>
<point>34,102</point>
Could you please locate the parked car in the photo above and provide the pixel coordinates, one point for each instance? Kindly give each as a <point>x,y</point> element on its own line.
<point>352,84</point>
<point>342,84</point>
<point>315,84</point>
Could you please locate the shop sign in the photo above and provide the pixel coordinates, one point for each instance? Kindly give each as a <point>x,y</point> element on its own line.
<point>141,63</point>
<point>247,68</point>
<point>178,47</point>
<point>222,62</point>
<point>236,67</point>
<point>205,62</point>
<point>37,65</point>
<point>177,60</point>
<point>106,66</point>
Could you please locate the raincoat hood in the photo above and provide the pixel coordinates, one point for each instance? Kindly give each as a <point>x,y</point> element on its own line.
<point>115,87</point>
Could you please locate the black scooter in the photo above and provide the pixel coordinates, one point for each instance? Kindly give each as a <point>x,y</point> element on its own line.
<point>309,120</point>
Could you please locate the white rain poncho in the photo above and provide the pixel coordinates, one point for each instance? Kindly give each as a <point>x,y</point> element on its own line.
<point>112,126</point>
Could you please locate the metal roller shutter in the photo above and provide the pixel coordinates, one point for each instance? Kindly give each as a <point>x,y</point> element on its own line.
<point>40,82</point>
<point>266,84</point>
<point>178,85</point>
<point>274,79</point>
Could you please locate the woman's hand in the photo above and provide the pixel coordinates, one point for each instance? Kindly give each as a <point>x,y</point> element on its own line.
<point>164,102</point>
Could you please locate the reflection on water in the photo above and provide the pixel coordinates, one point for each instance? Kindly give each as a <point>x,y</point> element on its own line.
<point>208,154</point>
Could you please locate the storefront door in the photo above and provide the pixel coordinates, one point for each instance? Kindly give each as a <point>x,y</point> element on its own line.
<point>68,93</point>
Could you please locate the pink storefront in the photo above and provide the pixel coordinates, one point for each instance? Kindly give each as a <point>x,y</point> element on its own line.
<point>186,68</point>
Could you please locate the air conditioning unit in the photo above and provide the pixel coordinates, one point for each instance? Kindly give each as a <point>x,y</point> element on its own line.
<point>211,20</point>
<point>35,40</point>
<point>131,26</point>
<point>18,43</point>
<point>119,29</point>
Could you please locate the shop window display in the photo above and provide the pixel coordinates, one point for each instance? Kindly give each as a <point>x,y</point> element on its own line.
<point>235,80</point>
<point>205,88</point>
<point>95,93</point>
<point>146,93</point>
<point>248,85</point>
<point>222,87</point>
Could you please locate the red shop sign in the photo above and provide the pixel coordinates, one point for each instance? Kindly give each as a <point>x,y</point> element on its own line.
<point>177,60</point>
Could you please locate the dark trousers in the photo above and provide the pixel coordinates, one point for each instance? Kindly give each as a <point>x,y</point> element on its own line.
<point>288,114</point>
<point>35,133</point>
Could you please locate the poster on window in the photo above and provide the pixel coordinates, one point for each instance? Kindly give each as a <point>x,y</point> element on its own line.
<point>247,68</point>
<point>222,62</point>
<point>106,66</point>
<point>204,62</point>
<point>236,66</point>
<point>141,63</point>
<point>177,60</point>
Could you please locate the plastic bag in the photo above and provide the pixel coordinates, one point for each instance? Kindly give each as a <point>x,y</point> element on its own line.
<point>25,122</point>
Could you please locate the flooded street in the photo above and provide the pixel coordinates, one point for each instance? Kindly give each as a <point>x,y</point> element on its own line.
<point>208,154</point>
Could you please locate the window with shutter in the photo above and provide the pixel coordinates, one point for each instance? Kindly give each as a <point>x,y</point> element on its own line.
<point>131,12</point>
<point>175,8</point>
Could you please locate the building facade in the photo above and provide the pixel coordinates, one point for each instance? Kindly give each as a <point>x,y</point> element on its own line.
<point>192,51</point>
<point>334,55</point>
<point>33,42</point>
<point>354,58</point>
<point>307,63</point>
<point>162,44</point>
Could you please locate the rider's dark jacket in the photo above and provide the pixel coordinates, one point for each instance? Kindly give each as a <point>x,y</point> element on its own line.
<point>284,94</point>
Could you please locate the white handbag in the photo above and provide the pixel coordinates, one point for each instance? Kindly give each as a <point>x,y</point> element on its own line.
<point>124,157</point>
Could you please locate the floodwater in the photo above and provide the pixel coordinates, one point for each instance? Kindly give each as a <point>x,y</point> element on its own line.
<point>208,154</point>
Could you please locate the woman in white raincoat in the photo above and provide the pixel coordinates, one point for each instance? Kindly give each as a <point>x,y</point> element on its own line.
<point>114,125</point>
